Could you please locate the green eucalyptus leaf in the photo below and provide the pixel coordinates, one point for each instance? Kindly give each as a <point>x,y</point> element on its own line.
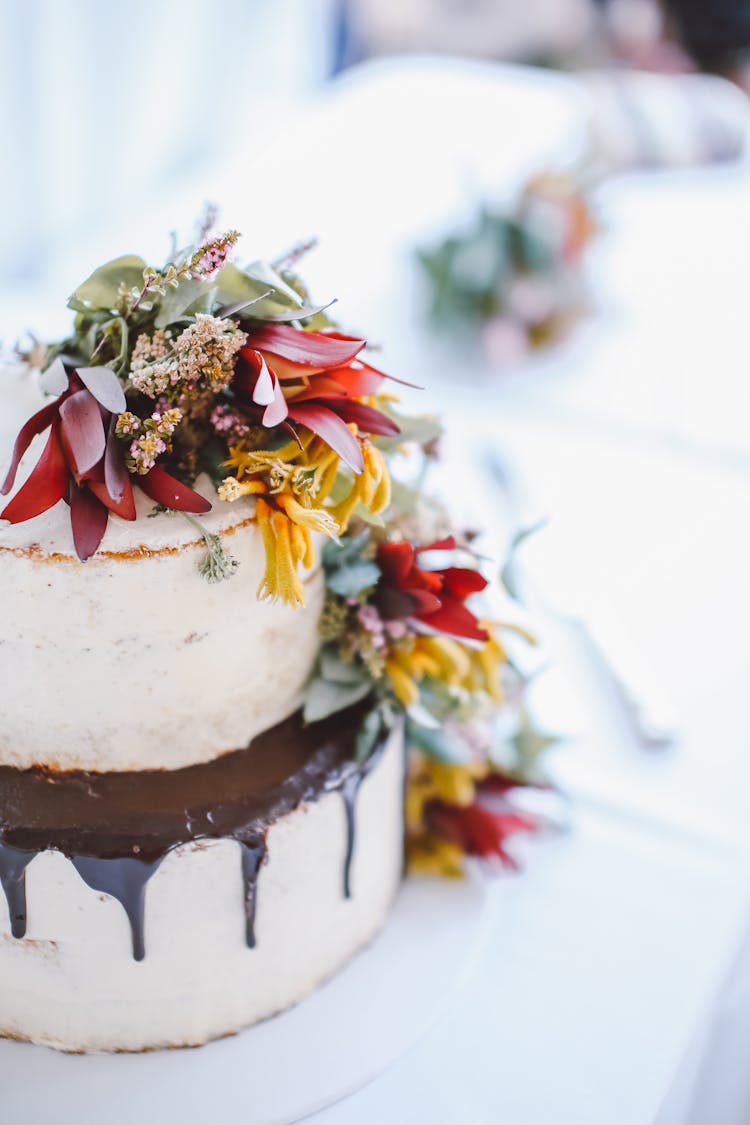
<point>369,734</point>
<point>325,698</point>
<point>362,512</point>
<point>437,743</point>
<point>340,552</point>
<point>99,291</point>
<point>342,485</point>
<point>532,251</point>
<point>530,744</point>
<point>420,429</point>
<point>307,312</point>
<point>76,305</point>
<point>350,580</point>
<point>266,275</point>
<point>339,671</point>
<point>509,573</point>
<point>237,286</point>
<point>404,499</point>
<point>179,302</point>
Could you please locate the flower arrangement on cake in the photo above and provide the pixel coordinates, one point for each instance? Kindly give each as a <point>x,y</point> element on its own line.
<point>203,367</point>
<point>514,280</point>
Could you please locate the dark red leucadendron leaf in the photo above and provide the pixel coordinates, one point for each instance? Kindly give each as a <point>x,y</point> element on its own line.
<point>36,424</point>
<point>45,486</point>
<point>366,418</point>
<point>88,520</point>
<point>295,348</point>
<point>258,382</point>
<point>110,482</point>
<point>165,489</point>
<point>55,380</point>
<point>81,432</point>
<point>319,388</point>
<point>332,429</point>
<point>116,475</point>
<point>124,507</point>
<point>104,385</point>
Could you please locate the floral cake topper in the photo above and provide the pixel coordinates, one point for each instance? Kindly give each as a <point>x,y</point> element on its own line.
<point>202,368</point>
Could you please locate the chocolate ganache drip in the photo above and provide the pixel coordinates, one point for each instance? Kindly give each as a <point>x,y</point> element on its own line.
<point>117,828</point>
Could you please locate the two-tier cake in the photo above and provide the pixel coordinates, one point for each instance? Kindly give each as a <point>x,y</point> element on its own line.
<point>202,756</point>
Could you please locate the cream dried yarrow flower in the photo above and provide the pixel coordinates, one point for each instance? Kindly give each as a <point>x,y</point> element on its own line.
<point>202,356</point>
<point>153,366</point>
<point>206,351</point>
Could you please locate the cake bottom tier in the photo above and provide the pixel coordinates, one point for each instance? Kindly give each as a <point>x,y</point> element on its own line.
<point>173,946</point>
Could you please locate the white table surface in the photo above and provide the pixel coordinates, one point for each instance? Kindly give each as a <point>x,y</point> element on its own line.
<point>597,998</point>
<point>596,1002</point>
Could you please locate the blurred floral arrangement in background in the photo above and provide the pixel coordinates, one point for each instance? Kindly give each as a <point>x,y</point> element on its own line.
<point>515,280</point>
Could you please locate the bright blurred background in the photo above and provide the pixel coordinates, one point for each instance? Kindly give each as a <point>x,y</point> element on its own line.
<point>385,127</point>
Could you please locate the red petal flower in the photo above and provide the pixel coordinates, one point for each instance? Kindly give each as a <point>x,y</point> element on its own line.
<point>332,429</point>
<point>164,489</point>
<point>88,519</point>
<point>433,597</point>
<point>81,432</point>
<point>447,544</point>
<point>36,424</point>
<point>476,829</point>
<point>462,581</point>
<point>45,486</point>
<point>454,618</point>
<point>395,561</point>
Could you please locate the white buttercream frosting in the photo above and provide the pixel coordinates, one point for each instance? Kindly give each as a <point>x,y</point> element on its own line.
<point>132,660</point>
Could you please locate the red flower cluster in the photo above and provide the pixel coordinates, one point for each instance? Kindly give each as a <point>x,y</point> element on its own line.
<point>435,598</point>
<point>479,829</point>
<point>83,461</point>
<point>314,379</point>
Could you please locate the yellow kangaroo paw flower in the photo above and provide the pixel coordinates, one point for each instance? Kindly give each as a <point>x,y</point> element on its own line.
<point>404,686</point>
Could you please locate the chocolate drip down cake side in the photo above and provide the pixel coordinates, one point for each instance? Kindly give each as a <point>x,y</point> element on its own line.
<point>218,620</point>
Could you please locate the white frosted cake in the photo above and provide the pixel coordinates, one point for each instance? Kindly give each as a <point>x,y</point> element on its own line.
<point>144,891</point>
<point>216,622</point>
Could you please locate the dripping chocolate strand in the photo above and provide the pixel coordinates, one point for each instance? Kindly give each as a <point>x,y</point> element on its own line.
<point>252,858</point>
<point>349,793</point>
<point>125,879</point>
<point>13,865</point>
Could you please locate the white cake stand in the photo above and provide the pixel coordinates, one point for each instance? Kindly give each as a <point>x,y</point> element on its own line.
<point>332,1044</point>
